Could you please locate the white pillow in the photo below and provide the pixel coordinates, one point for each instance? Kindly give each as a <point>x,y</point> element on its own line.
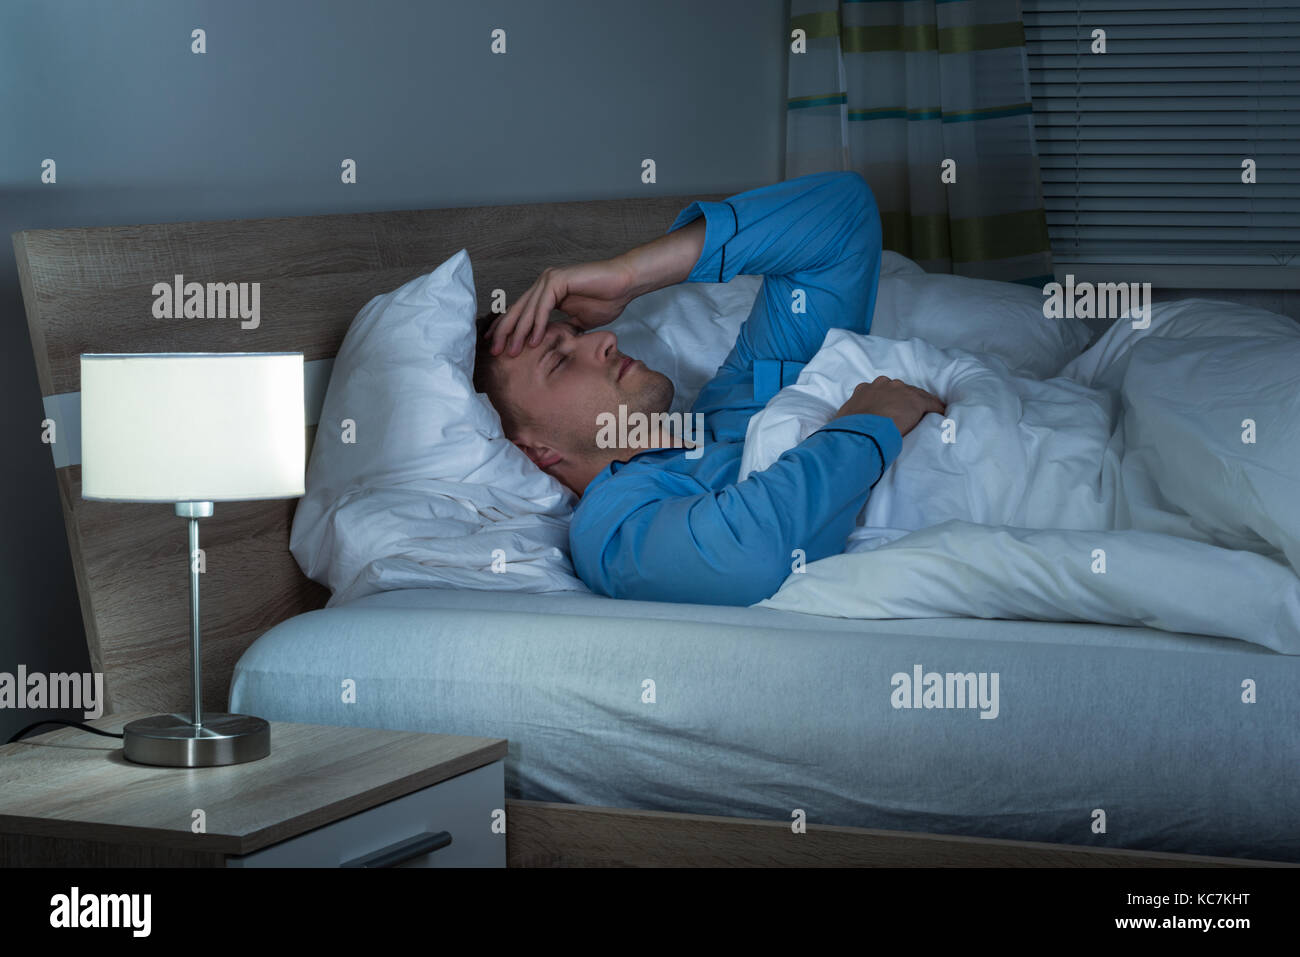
<point>1241,494</point>
<point>1105,364</point>
<point>892,263</point>
<point>426,490</point>
<point>1004,319</point>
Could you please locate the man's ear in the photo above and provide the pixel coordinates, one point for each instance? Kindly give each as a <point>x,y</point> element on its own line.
<point>541,455</point>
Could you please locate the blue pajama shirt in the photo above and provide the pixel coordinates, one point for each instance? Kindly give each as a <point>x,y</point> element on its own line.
<point>662,527</point>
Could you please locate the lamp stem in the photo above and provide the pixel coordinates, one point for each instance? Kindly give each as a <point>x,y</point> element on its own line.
<point>197,719</point>
<point>195,511</point>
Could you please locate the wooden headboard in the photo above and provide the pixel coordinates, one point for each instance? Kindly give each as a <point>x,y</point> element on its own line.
<point>90,290</point>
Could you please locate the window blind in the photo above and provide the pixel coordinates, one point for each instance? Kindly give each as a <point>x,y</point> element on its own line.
<point>1141,147</point>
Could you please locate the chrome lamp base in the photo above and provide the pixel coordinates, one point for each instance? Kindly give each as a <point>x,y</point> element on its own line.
<point>173,741</point>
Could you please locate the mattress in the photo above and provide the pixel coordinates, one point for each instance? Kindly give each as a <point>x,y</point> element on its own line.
<point>1101,736</point>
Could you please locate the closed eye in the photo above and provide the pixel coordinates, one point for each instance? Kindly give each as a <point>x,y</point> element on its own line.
<point>553,349</point>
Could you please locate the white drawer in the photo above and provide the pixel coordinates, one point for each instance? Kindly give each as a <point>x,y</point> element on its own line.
<point>460,807</point>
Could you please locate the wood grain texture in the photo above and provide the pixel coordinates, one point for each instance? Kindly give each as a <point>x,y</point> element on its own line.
<point>90,290</point>
<point>77,787</point>
<point>542,834</point>
<point>28,850</point>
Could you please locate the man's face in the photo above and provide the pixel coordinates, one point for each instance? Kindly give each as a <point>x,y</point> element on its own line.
<point>564,383</point>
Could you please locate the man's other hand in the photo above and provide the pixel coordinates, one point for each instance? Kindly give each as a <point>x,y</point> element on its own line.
<point>592,294</point>
<point>894,399</point>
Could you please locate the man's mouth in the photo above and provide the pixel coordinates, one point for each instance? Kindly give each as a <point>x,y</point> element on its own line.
<point>627,364</point>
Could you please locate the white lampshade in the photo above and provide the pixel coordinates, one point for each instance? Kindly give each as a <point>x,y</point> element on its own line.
<point>192,426</point>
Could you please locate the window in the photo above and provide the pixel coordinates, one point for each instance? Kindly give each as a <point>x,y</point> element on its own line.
<point>1142,147</point>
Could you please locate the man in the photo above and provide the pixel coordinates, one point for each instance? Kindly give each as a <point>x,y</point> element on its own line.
<point>661,524</point>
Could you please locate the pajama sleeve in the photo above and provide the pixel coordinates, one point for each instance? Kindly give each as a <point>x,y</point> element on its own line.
<point>815,240</point>
<point>736,545</point>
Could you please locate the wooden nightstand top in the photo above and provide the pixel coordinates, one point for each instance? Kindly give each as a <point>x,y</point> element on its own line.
<point>69,783</point>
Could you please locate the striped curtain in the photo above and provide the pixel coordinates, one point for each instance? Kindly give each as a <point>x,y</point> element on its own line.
<point>896,88</point>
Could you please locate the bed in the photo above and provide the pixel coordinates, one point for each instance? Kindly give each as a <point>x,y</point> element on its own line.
<point>759,712</point>
<point>642,733</point>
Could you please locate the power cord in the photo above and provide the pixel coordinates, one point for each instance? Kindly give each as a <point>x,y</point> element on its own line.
<point>71,724</point>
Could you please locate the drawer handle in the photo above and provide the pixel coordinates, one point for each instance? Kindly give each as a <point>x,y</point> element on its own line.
<point>402,851</point>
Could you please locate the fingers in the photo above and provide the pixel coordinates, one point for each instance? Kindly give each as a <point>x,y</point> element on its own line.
<point>503,325</point>
<point>932,402</point>
<point>516,325</point>
<point>540,314</point>
<point>526,320</point>
<point>882,380</point>
<point>498,329</point>
<point>509,326</point>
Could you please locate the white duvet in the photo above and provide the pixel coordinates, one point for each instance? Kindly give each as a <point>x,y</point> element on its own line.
<point>1155,481</point>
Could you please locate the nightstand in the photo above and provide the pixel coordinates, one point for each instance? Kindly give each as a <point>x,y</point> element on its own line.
<point>324,797</point>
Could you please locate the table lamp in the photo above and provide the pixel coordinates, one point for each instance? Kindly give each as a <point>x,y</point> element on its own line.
<point>191,429</point>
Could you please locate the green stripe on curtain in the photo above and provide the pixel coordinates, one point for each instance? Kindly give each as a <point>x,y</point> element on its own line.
<point>827,99</point>
<point>982,36</point>
<point>893,38</point>
<point>975,239</point>
<point>920,38</point>
<point>817,25</point>
<point>988,113</point>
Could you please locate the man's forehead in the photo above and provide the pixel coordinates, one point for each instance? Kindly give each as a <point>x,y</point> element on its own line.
<point>532,354</point>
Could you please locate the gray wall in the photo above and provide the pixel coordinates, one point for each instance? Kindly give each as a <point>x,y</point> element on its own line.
<point>143,130</point>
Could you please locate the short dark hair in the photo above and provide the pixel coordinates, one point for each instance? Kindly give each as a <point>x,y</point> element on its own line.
<point>489,380</point>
